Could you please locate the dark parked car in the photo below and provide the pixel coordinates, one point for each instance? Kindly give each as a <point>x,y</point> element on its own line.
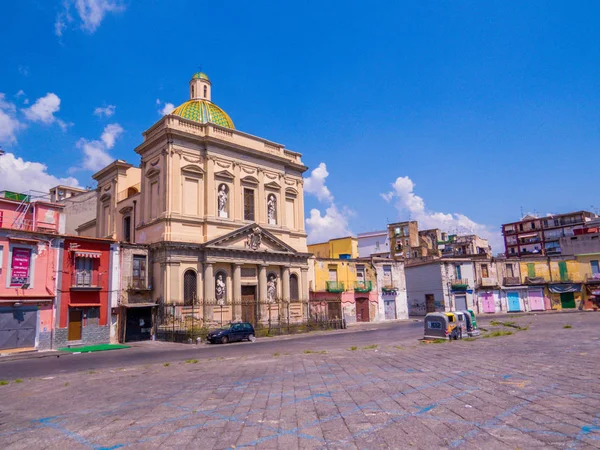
<point>235,332</point>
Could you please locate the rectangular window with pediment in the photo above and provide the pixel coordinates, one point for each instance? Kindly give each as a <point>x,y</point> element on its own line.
<point>191,197</point>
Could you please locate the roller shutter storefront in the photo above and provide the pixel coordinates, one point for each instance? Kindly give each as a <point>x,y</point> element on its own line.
<point>18,327</point>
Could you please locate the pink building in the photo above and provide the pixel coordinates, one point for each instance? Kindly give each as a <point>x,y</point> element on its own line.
<point>29,239</point>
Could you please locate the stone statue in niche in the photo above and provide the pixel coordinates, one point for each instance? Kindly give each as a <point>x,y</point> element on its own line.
<point>272,209</point>
<point>271,287</point>
<point>220,288</point>
<point>222,200</point>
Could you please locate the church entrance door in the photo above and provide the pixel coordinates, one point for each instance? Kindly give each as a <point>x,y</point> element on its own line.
<point>249,304</point>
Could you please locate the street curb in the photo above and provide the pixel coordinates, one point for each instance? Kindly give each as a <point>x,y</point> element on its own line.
<point>30,355</point>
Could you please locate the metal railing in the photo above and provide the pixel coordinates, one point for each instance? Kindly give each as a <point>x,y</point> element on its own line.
<point>334,286</point>
<point>86,279</point>
<point>511,281</point>
<point>363,286</point>
<point>592,278</point>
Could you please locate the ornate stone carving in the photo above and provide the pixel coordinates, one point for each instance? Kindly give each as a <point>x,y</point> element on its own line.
<point>248,169</point>
<point>193,160</point>
<point>154,163</point>
<point>223,164</point>
<point>272,176</point>
<point>254,239</point>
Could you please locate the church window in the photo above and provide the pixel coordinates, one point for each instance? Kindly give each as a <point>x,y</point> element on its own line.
<point>248,204</point>
<point>205,91</point>
<point>192,91</point>
<point>294,291</point>
<point>189,287</point>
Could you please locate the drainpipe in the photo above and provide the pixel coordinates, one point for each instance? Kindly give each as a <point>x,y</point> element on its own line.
<point>133,233</point>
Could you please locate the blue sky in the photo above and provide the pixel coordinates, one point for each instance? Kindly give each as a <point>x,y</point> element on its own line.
<point>467,108</point>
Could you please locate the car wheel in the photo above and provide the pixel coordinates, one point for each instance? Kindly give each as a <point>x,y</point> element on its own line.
<point>224,340</point>
<point>251,338</point>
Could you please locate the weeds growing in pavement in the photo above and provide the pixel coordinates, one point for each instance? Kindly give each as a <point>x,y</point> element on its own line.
<point>567,326</point>
<point>398,347</point>
<point>18,380</point>
<point>166,364</point>
<point>191,361</point>
<point>275,355</point>
<point>498,333</point>
<point>67,384</point>
<point>322,352</point>
<point>469,339</point>
<point>91,372</point>
<point>3,382</point>
<point>371,347</point>
<point>353,348</point>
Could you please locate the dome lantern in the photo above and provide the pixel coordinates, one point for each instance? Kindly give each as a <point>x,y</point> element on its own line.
<point>200,87</point>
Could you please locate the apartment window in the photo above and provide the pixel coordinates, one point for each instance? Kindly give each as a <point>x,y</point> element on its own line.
<point>138,275</point>
<point>595,267</point>
<point>562,269</point>
<point>531,270</point>
<point>520,227</point>
<point>333,274</point>
<point>485,271</point>
<point>387,276</point>
<point>458,272</point>
<point>248,204</point>
<point>127,229</point>
<point>510,271</point>
<point>84,270</point>
<point>360,273</point>
<point>377,246</point>
<point>512,250</point>
<point>533,225</point>
<point>397,231</point>
<point>92,317</point>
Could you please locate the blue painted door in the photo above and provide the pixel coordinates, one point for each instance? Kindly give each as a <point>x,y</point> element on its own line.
<point>513,301</point>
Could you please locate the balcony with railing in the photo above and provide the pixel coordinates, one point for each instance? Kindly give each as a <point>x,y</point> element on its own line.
<point>535,280</point>
<point>363,286</point>
<point>511,281</point>
<point>460,284</point>
<point>335,286</point>
<point>592,278</point>
<point>86,280</point>
<point>487,282</point>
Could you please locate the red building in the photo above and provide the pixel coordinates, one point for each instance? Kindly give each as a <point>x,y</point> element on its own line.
<point>83,308</point>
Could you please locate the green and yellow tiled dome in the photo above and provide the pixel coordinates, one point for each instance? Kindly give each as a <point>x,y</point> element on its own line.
<point>200,76</point>
<point>204,111</point>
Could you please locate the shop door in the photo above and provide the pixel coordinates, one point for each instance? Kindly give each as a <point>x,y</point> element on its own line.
<point>430,303</point>
<point>567,300</point>
<point>487,300</point>
<point>75,316</point>
<point>536,300</point>
<point>139,324</point>
<point>390,309</point>
<point>17,327</point>
<point>249,304</point>
<point>362,309</point>
<point>513,302</point>
<point>460,301</point>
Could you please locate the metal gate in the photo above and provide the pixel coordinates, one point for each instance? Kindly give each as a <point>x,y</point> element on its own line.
<point>460,302</point>
<point>18,327</point>
<point>514,303</point>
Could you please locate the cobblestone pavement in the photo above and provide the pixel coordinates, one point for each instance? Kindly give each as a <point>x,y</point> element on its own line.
<point>535,388</point>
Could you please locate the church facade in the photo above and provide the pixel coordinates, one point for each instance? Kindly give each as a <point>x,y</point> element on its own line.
<point>220,211</point>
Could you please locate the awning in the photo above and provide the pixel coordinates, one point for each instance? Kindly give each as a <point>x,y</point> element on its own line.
<point>528,235</point>
<point>139,305</point>
<point>564,287</point>
<point>84,254</point>
<point>24,240</point>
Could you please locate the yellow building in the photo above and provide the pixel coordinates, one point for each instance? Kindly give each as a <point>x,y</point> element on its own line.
<point>357,289</point>
<point>559,278</point>
<point>589,269</point>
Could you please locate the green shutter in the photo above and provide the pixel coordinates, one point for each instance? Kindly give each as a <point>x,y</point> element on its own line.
<point>562,267</point>
<point>531,270</point>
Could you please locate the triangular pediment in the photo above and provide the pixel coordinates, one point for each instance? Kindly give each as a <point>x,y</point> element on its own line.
<point>225,174</point>
<point>273,185</point>
<point>251,238</point>
<point>192,170</point>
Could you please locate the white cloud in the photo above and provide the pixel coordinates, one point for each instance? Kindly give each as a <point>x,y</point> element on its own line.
<point>95,152</point>
<point>43,110</point>
<point>407,202</point>
<point>334,223</point>
<point>315,184</point>
<point>90,14</point>
<point>106,111</point>
<point>9,124</point>
<point>21,176</point>
<point>110,134</point>
<point>167,108</point>
<point>24,70</point>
